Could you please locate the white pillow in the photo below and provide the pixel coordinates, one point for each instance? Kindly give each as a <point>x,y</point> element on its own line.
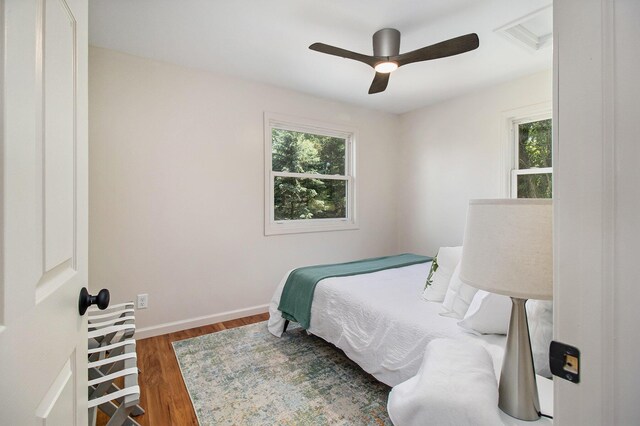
<point>540,319</point>
<point>445,261</point>
<point>456,385</point>
<point>458,298</point>
<point>488,313</point>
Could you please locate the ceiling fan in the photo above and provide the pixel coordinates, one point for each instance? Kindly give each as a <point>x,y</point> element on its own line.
<point>387,58</point>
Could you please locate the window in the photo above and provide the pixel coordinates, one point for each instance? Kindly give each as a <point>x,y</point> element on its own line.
<point>531,176</point>
<point>309,179</point>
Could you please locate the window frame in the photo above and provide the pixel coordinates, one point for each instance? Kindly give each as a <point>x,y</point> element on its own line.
<point>296,124</point>
<point>512,119</point>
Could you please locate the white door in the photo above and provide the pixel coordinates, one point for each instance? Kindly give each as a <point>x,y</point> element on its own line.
<point>43,259</point>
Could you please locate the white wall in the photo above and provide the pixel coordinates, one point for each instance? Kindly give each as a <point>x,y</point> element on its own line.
<point>176,190</point>
<point>452,152</point>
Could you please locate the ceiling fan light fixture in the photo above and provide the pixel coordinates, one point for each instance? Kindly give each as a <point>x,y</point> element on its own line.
<point>386,67</point>
<point>387,58</point>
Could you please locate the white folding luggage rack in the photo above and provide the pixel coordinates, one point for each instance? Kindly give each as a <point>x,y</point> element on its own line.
<point>112,355</point>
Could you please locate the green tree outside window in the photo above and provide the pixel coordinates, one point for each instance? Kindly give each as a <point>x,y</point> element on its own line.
<point>534,152</point>
<point>317,197</point>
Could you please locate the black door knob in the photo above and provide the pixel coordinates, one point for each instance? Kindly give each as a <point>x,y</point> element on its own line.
<point>86,300</point>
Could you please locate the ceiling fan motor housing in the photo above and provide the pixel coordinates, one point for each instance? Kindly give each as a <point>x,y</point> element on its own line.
<point>386,42</point>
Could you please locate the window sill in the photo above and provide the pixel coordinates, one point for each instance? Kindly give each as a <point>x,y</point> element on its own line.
<point>296,227</point>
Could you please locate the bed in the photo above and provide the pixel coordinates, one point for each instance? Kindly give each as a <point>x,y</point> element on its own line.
<point>381,322</point>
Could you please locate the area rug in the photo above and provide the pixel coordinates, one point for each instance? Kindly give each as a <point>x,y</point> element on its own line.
<point>247,376</point>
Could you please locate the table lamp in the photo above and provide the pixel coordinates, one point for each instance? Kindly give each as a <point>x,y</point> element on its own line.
<point>508,250</point>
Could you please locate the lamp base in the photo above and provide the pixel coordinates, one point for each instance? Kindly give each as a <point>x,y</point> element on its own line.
<point>518,388</point>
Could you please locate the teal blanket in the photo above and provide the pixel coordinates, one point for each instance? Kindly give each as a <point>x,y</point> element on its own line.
<point>297,294</point>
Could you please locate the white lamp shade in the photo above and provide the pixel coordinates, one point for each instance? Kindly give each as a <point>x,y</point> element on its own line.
<point>508,247</point>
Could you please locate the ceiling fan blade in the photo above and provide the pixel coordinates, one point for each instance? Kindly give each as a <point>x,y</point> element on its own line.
<point>451,47</point>
<point>336,51</point>
<point>379,83</point>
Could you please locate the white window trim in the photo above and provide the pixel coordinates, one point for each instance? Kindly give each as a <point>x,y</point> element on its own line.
<point>510,120</point>
<point>277,227</point>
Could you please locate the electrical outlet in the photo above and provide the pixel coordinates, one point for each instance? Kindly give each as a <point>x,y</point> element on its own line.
<point>143,301</point>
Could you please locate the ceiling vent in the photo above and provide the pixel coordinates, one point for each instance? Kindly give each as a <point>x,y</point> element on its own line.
<point>533,31</point>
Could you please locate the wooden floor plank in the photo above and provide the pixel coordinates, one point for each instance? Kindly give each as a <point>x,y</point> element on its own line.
<point>163,394</point>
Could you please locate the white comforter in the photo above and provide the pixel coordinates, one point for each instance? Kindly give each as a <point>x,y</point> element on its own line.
<point>381,322</point>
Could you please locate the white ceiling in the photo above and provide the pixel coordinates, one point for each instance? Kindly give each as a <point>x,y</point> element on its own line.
<point>267,41</point>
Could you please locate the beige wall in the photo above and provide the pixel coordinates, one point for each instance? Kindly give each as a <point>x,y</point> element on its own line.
<point>452,152</point>
<point>177,191</point>
<point>177,183</point>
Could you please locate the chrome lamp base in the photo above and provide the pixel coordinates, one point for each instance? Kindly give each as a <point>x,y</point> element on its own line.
<point>518,388</point>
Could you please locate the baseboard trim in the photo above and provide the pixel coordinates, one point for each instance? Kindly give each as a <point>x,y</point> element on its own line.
<point>170,327</point>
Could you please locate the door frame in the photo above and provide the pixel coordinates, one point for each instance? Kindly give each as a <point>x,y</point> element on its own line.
<point>595,202</point>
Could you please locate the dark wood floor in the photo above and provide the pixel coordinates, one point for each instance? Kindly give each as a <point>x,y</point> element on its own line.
<point>162,392</point>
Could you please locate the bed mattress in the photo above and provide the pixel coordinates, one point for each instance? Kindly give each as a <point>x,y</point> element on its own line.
<point>381,322</point>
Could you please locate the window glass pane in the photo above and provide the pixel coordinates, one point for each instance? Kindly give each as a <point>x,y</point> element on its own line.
<point>296,199</point>
<point>534,186</point>
<point>297,152</point>
<point>534,144</point>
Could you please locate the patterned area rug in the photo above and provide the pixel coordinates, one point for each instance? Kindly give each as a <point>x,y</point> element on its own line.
<point>247,376</point>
